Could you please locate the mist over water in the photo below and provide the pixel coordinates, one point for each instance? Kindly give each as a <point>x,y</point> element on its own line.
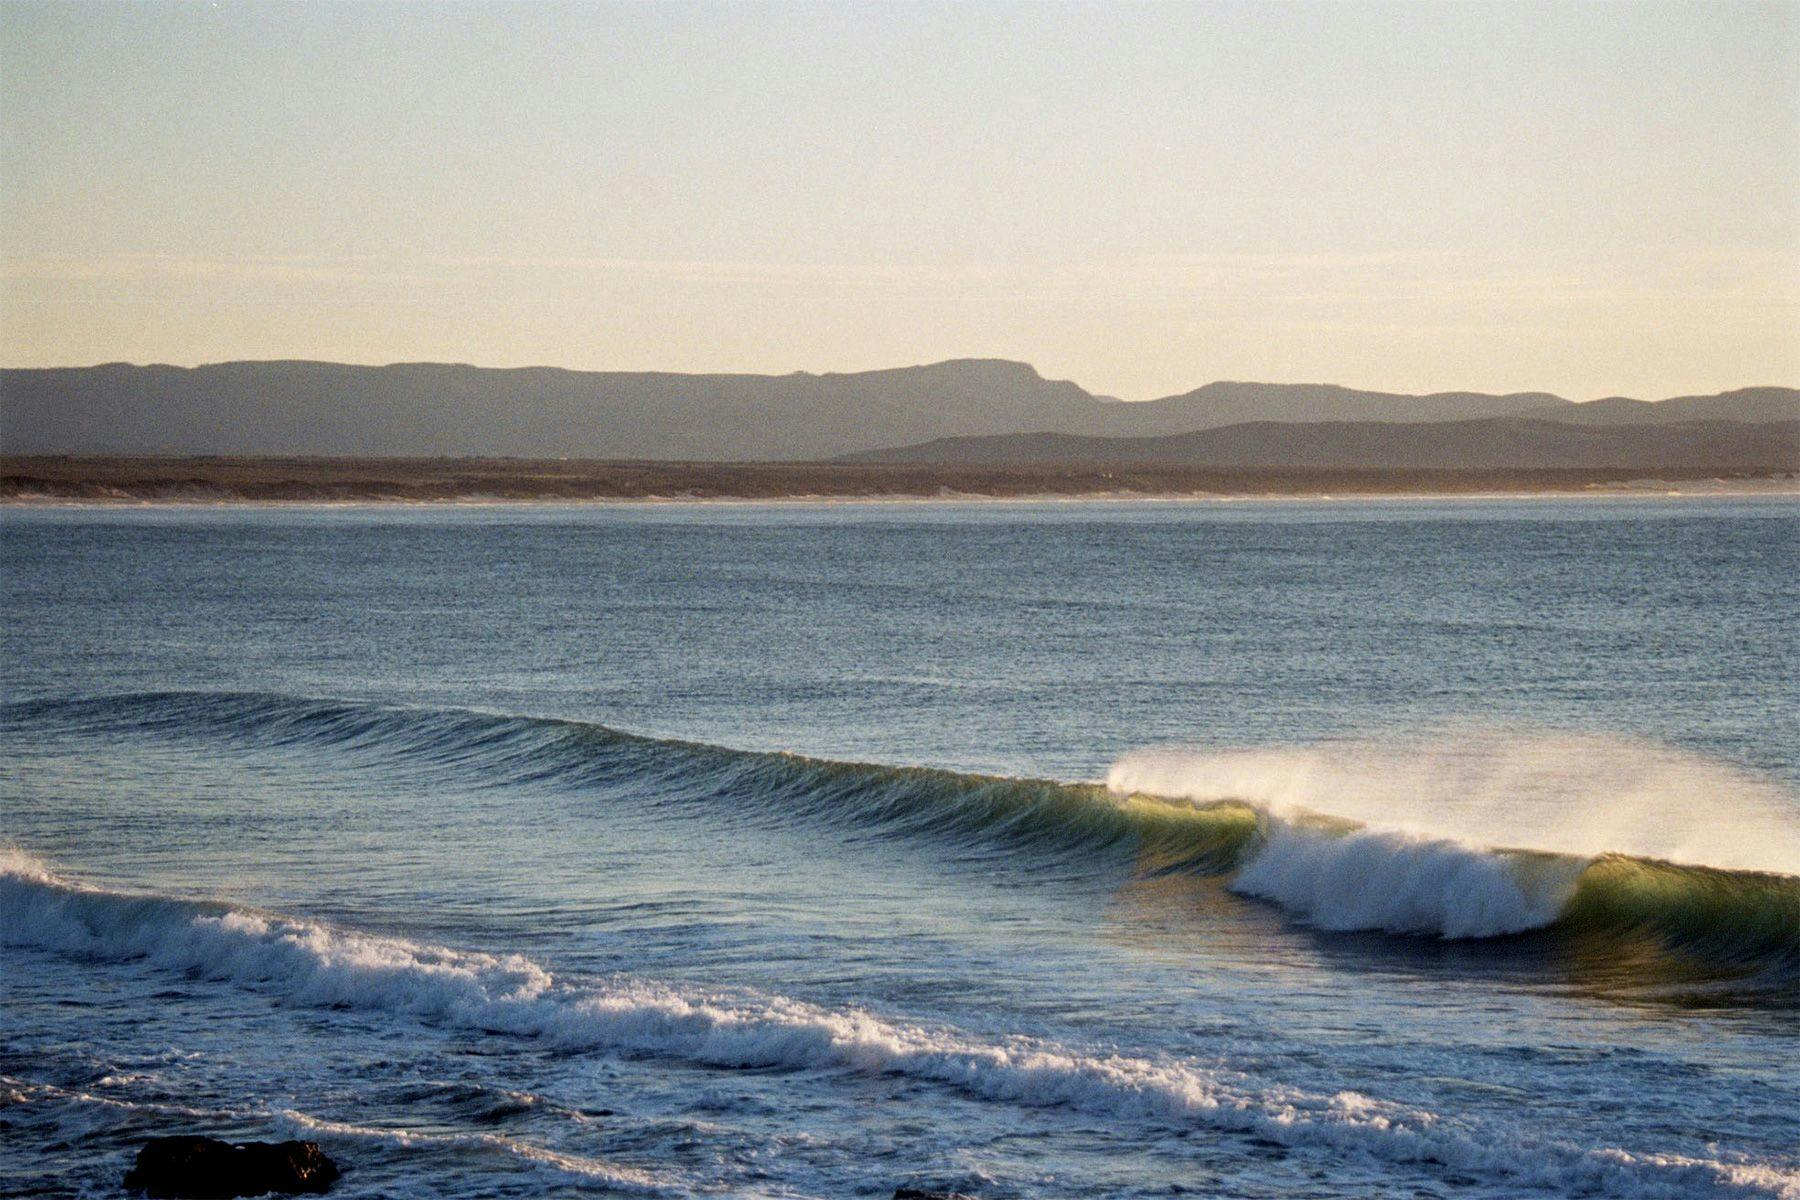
<point>1565,793</point>
<point>1095,851</point>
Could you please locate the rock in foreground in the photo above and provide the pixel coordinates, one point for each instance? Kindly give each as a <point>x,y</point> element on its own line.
<point>197,1168</point>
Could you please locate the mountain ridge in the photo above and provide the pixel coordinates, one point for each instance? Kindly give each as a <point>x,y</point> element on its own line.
<point>424,409</point>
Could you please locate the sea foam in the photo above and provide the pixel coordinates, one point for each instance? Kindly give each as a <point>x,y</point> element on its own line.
<point>308,962</point>
<point>1402,882</point>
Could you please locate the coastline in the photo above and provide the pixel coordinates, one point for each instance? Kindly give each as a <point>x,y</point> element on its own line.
<point>125,503</point>
<point>201,482</point>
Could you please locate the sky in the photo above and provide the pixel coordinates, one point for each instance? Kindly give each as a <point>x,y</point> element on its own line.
<point>1583,198</point>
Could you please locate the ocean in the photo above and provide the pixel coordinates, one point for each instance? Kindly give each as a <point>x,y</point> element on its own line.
<point>1415,848</point>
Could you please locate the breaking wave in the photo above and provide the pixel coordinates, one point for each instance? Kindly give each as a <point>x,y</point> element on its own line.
<point>1262,828</point>
<point>507,995</point>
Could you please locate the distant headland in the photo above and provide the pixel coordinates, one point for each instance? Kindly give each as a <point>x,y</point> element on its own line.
<point>328,432</point>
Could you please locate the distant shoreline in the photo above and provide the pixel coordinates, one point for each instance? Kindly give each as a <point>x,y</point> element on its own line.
<point>251,481</point>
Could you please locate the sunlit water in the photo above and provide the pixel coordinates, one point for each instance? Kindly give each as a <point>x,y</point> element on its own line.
<point>539,851</point>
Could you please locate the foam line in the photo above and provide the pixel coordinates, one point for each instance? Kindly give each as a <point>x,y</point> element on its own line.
<point>579,1168</point>
<point>307,962</point>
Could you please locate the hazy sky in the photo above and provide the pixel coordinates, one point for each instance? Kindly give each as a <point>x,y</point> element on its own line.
<point>1579,197</point>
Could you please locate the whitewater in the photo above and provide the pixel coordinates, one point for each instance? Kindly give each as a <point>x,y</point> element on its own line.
<point>1337,850</point>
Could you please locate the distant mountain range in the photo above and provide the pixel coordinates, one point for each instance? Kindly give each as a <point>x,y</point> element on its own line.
<point>950,411</point>
<point>1494,443</point>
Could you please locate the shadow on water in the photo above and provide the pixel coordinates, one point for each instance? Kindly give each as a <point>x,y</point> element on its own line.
<point>1191,918</point>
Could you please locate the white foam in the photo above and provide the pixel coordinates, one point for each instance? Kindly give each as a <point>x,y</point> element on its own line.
<point>310,963</point>
<point>579,1168</point>
<point>25,1091</point>
<point>1401,882</point>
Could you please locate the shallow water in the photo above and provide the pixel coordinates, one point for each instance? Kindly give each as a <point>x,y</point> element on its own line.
<point>530,851</point>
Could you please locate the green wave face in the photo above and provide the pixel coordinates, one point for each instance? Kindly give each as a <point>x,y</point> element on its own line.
<point>1703,915</point>
<point>1044,815</point>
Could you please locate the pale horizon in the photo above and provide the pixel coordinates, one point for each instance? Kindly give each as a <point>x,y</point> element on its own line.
<point>1588,200</point>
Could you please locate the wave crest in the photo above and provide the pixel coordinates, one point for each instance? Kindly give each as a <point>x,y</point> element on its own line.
<point>1405,883</point>
<point>1255,817</point>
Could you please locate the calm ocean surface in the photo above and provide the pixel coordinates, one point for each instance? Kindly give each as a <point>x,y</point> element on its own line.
<point>1282,849</point>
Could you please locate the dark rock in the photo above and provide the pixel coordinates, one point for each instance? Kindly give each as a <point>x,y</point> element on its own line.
<point>196,1168</point>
